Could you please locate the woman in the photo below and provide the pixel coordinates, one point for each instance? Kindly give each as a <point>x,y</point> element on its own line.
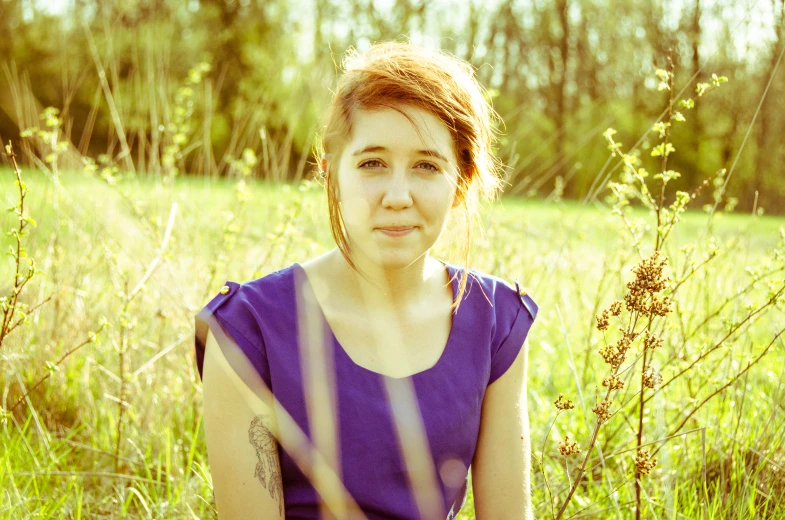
<point>367,382</point>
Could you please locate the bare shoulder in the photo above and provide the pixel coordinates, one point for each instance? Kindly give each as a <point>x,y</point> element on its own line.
<point>321,274</point>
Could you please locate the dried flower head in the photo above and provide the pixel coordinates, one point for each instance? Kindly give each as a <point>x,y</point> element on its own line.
<point>615,354</point>
<point>627,338</point>
<point>651,341</point>
<point>648,282</point>
<point>603,410</point>
<point>659,307</point>
<point>611,356</point>
<point>616,308</point>
<point>613,382</point>
<point>644,463</point>
<point>568,447</point>
<point>651,378</point>
<point>563,404</point>
<point>602,321</point>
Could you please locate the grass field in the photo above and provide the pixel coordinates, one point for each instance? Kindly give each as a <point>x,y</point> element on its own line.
<point>137,382</point>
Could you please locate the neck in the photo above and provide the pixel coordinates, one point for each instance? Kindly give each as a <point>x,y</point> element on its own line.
<point>384,288</point>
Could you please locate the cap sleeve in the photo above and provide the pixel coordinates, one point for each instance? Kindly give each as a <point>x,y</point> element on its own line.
<point>233,319</point>
<point>515,313</point>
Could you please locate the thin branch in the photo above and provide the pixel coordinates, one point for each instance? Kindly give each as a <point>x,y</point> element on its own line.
<point>750,364</point>
<point>59,361</point>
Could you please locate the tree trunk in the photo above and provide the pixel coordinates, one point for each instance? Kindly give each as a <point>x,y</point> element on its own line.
<point>561,85</point>
<point>697,127</point>
<point>763,152</point>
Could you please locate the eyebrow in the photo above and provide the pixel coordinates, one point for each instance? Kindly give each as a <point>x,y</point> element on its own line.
<point>376,148</point>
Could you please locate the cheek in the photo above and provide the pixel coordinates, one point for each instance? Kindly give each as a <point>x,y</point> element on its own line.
<point>356,202</point>
<point>442,198</point>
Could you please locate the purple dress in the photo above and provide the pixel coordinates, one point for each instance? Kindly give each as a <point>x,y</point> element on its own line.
<point>487,333</point>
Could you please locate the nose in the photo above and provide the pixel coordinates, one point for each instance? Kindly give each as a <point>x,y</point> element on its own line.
<point>397,194</point>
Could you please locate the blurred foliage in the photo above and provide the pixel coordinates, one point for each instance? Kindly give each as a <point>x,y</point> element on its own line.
<point>191,85</point>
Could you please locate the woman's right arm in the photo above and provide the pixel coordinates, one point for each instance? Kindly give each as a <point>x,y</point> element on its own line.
<point>240,430</point>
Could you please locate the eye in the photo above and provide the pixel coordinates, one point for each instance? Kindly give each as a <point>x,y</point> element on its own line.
<point>375,163</point>
<point>362,165</point>
<point>435,168</point>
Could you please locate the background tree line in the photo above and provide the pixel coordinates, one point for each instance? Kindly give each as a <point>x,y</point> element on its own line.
<point>166,87</point>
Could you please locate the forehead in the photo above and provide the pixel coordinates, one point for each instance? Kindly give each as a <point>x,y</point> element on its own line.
<point>391,129</point>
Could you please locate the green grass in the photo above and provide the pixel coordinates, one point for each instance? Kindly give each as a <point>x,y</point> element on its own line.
<point>58,456</point>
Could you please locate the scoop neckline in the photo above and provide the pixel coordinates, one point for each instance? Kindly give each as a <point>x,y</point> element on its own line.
<point>451,337</point>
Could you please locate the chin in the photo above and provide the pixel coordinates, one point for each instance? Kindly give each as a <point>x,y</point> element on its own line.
<point>389,256</point>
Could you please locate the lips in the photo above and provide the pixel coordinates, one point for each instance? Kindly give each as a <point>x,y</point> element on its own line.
<point>396,228</point>
<point>397,231</point>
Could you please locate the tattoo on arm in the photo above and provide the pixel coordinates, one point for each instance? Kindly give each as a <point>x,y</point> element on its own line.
<point>265,444</point>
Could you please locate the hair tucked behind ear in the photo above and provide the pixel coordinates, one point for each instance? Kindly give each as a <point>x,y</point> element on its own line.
<point>396,73</point>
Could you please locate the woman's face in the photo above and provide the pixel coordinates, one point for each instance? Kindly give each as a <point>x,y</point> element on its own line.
<point>390,177</point>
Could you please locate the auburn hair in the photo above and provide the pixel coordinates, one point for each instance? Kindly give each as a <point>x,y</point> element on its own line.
<point>392,74</point>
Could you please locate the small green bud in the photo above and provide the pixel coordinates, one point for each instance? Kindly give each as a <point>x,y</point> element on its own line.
<point>662,74</point>
<point>662,149</point>
<point>717,80</point>
<point>687,103</point>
